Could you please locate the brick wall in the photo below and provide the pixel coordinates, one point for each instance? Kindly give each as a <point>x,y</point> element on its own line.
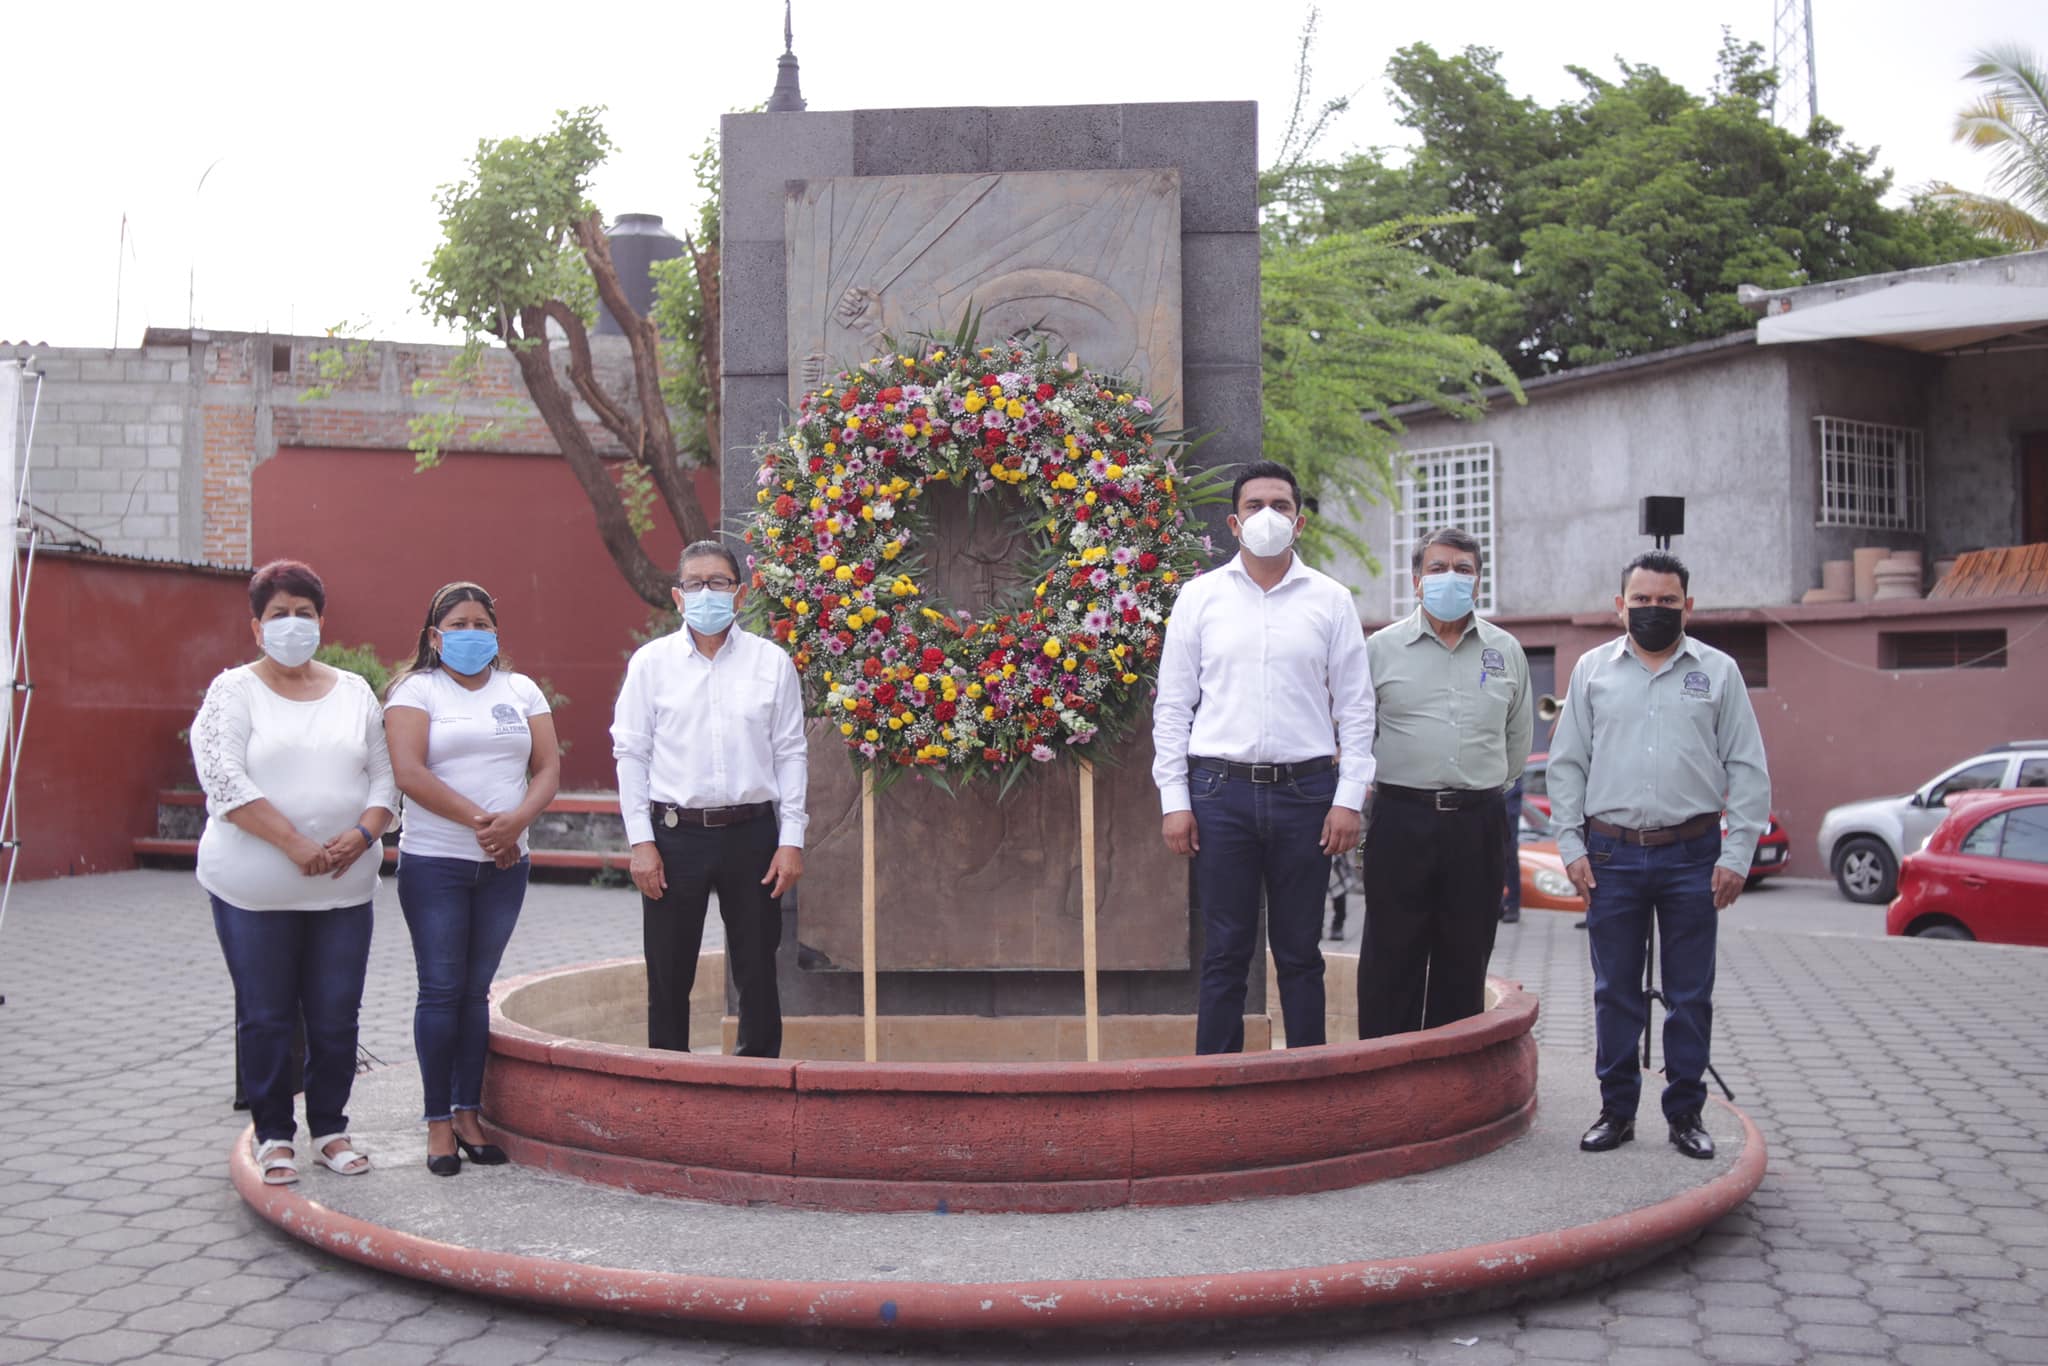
<point>151,451</point>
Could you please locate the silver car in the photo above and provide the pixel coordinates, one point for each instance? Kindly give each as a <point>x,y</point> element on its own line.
<point>1863,842</point>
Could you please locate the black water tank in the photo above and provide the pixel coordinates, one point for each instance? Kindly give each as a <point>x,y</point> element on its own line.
<point>638,240</point>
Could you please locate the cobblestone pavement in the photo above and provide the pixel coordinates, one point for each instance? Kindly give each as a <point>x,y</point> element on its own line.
<point>1902,1086</point>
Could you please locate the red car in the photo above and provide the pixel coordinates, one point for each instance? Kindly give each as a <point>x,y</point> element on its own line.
<point>1773,847</point>
<point>1983,873</point>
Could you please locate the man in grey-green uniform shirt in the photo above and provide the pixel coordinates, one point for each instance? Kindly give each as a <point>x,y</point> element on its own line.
<point>1452,725</point>
<point>1656,741</point>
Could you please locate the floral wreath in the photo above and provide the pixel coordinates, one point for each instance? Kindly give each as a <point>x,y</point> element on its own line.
<point>836,555</point>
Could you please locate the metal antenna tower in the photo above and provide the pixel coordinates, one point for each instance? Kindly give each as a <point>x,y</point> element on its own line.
<point>1797,103</point>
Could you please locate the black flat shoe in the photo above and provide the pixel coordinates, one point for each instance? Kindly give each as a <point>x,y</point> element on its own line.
<point>1609,1132</point>
<point>448,1164</point>
<point>483,1154</point>
<point>1691,1138</point>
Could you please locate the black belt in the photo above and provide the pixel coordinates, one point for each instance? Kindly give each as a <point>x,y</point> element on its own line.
<point>1444,799</point>
<point>1658,836</point>
<point>708,817</point>
<point>1264,773</point>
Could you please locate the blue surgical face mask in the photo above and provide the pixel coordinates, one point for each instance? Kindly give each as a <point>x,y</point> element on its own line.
<point>708,610</point>
<point>1448,596</point>
<point>469,652</point>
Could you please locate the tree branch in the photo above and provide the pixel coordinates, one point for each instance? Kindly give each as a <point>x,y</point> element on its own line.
<point>614,526</point>
<point>657,447</point>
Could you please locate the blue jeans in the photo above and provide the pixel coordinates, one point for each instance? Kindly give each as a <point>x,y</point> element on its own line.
<point>286,964</point>
<point>461,913</point>
<point>1257,836</point>
<point>1674,882</point>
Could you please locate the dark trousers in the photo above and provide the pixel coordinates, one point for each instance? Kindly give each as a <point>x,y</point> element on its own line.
<point>460,912</point>
<point>1511,871</point>
<point>1432,904</point>
<point>1675,884</point>
<point>1254,836</point>
<point>731,861</point>
<point>288,964</point>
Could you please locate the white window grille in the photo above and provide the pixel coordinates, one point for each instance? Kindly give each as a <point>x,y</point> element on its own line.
<point>1871,476</point>
<point>1440,487</point>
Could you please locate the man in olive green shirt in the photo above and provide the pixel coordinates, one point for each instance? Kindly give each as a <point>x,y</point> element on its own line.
<point>1454,720</point>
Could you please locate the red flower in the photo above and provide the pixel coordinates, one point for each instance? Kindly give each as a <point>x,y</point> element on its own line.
<point>989,380</point>
<point>863,575</point>
<point>870,667</point>
<point>846,404</point>
<point>993,756</point>
<point>933,657</point>
<point>885,694</point>
<point>1130,616</point>
<point>940,431</point>
<point>1147,562</point>
<point>889,395</point>
<point>993,436</point>
<point>946,711</point>
<point>882,624</point>
<point>1045,391</point>
<point>785,505</point>
<point>817,464</point>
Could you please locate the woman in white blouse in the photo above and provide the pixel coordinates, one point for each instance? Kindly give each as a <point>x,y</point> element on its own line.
<point>474,750</point>
<point>298,790</point>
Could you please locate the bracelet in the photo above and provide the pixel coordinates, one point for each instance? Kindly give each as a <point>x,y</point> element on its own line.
<point>368,838</point>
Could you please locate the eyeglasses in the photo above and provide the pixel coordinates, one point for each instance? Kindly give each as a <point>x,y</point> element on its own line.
<point>717,585</point>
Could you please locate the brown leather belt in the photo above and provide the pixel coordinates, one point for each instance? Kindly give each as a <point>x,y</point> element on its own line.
<point>1662,835</point>
<point>708,817</point>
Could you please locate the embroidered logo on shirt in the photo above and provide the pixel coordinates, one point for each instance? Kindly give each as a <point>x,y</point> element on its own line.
<point>1697,685</point>
<point>1491,661</point>
<point>508,718</point>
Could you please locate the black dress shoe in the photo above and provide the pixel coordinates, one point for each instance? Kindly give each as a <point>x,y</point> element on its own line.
<point>447,1164</point>
<point>1609,1132</point>
<point>1510,917</point>
<point>1690,1138</point>
<point>483,1154</point>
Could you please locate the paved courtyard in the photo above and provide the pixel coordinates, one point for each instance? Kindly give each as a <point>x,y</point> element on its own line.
<point>1902,1087</point>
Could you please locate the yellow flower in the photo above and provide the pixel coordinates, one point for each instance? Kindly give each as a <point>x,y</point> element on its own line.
<point>831,448</point>
<point>1014,409</point>
<point>846,727</point>
<point>828,562</point>
<point>789,486</point>
<point>1115,471</point>
<point>974,692</point>
<point>844,573</point>
<point>869,613</point>
<point>974,403</point>
<point>1090,499</point>
<point>853,622</point>
<point>895,723</point>
<point>923,682</point>
<point>1009,670</point>
<point>909,429</point>
<point>988,713</point>
<point>1066,480</point>
<point>1052,647</point>
<point>1121,570</point>
<point>870,734</point>
<point>832,525</point>
<point>774,533</point>
<point>1130,678</point>
<point>834,492</point>
<point>802,609</point>
<point>867,514</point>
<point>938,355</point>
<point>851,703</point>
<point>1094,553</point>
<point>1070,664</point>
<point>762,496</point>
<point>817,504</point>
<point>828,675</point>
<point>891,550</point>
<point>1168,577</point>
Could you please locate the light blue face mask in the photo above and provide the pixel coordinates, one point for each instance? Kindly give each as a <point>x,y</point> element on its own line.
<point>469,652</point>
<point>1448,596</point>
<point>708,610</point>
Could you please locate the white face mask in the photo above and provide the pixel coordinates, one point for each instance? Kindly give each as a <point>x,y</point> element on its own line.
<point>291,641</point>
<point>1265,533</point>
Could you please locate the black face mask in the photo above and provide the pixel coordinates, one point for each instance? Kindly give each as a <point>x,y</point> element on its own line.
<point>1655,628</point>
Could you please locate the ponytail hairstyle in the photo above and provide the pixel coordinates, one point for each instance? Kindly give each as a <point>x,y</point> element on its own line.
<point>446,599</point>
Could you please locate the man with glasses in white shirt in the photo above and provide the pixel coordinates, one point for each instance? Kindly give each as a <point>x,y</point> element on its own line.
<point>708,733</point>
<point>1263,684</point>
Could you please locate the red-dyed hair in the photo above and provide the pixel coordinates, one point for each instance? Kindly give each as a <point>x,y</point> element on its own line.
<point>286,576</point>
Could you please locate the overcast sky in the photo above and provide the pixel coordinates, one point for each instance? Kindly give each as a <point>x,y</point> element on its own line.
<point>327,128</point>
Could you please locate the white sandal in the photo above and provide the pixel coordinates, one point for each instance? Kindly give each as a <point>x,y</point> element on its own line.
<point>275,1170</point>
<point>340,1162</point>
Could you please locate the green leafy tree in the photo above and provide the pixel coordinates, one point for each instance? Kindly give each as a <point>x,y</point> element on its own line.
<point>2009,121</point>
<point>522,251</point>
<point>1622,221</point>
<point>1352,325</point>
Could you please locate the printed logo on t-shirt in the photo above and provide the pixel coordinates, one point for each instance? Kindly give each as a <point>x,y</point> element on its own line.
<point>510,722</point>
<point>1697,685</point>
<point>1491,662</point>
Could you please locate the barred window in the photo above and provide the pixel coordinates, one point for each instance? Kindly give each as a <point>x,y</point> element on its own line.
<point>1440,487</point>
<point>1871,476</point>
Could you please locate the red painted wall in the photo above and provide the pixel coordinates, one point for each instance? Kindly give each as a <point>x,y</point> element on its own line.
<point>1836,727</point>
<point>384,538</point>
<point>120,654</point>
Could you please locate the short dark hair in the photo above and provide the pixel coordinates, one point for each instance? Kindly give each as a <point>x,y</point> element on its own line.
<point>286,576</point>
<point>1457,538</point>
<point>1264,469</point>
<point>703,549</point>
<point>1658,562</point>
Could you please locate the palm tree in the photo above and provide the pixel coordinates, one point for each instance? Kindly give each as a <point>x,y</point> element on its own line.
<point>2010,121</point>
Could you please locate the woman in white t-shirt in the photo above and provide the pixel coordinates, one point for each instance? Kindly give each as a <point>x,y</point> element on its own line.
<point>474,751</point>
<point>298,789</point>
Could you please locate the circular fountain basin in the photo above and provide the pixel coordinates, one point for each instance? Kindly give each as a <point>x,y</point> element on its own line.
<point>988,1137</point>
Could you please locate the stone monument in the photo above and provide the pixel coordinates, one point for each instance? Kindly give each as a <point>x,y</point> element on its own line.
<point>1125,234</point>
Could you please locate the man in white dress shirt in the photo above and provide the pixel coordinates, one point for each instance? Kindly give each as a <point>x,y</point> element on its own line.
<point>708,733</point>
<point>1263,681</point>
